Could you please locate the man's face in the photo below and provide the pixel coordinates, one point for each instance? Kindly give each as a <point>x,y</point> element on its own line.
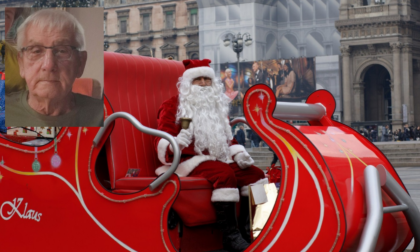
<point>255,67</point>
<point>48,77</point>
<point>202,81</point>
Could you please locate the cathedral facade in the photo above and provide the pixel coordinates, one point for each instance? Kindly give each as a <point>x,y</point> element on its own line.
<point>380,46</point>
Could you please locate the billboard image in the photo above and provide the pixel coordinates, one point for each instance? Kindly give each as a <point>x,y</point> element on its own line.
<point>290,79</point>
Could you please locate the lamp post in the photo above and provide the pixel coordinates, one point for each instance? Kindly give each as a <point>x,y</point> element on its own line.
<point>106,45</point>
<point>238,46</point>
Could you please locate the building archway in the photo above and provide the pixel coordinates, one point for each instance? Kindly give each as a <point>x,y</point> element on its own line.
<point>289,46</point>
<point>314,44</point>
<point>270,51</point>
<point>377,94</point>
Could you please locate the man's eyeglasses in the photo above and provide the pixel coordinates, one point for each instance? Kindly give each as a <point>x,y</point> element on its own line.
<point>60,52</point>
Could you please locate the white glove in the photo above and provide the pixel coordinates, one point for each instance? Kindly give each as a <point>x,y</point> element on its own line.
<point>244,160</point>
<point>184,138</point>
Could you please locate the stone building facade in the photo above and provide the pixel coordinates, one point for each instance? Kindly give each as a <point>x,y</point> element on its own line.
<point>159,28</point>
<point>380,46</point>
<point>280,29</point>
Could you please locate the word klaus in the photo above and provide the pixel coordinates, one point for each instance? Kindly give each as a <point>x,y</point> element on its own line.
<point>30,214</point>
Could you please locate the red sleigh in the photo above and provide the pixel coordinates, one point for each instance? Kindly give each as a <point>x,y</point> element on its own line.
<point>338,191</point>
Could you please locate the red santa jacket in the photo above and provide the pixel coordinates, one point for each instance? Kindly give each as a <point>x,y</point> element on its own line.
<point>189,158</point>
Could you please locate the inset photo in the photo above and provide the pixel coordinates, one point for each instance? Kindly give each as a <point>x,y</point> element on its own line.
<point>54,67</point>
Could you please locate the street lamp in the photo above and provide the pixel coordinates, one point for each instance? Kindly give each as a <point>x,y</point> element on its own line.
<point>106,45</point>
<point>238,46</point>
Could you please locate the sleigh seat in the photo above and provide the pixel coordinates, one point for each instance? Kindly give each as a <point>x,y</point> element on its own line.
<point>139,85</point>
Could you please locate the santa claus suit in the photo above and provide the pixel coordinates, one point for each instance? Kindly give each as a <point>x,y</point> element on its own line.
<point>208,149</point>
<point>226,177</point>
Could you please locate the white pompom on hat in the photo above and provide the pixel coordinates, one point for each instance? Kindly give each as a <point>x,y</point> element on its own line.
<point>197,68</point>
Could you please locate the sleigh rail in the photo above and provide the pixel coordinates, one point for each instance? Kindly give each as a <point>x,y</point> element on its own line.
<point>146,130</point>
<point>375,179</point>
<point>299,111</point>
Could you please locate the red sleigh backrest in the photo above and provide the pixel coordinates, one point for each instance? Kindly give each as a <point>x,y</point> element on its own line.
<point>137,85</point>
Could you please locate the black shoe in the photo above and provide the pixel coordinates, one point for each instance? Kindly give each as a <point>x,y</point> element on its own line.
<point>226,219</point>
<point>243,220</point>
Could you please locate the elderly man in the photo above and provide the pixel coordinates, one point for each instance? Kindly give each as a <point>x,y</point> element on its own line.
<point>51,56</point>
<point>208,148</point>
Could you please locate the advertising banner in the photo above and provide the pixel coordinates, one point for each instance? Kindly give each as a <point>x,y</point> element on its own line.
<point>291,80</point>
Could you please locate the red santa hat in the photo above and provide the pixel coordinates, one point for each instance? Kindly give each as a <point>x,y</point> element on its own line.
<point>197,68</point>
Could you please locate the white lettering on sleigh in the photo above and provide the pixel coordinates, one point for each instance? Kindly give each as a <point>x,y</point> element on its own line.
<point>30,214</point>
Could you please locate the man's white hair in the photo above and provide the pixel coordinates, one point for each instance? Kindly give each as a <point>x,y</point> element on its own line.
<point>209,109</point>
<point>51,19</point>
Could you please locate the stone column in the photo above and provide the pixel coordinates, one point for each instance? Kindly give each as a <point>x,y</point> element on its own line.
<point>397,87</point>
<point>345,52</point>
<point>416,90</point>
<point>359,101</point>
<point>407,81</point>
<point>302,50</point>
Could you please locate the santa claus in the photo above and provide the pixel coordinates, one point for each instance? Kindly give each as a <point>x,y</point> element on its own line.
<point>208,148</point>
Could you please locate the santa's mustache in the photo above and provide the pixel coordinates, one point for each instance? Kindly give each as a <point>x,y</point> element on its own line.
<point>202,89</point>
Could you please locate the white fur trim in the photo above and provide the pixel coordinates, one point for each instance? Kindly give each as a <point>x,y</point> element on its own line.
<point>225,195</point>
<point>244,189</point>
<point>187,166</point>
<point>195,72</point>
<point>162,147</point>
<point>235,149</point>
<point>162,169</point>
<point>230,160</point>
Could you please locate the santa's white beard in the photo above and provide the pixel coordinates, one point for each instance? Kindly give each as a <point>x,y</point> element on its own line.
<point>209,109</point>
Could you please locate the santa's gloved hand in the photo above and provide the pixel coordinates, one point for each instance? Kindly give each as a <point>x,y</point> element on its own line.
<point>184,138</point>
<point>244,160</point>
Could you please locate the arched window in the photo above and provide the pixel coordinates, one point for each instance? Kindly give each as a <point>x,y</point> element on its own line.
<point>335,38</point>
<point>271,47</point>
<point>266,13</point>
<point>314,45</point>
<point>308,9</point>
<point>234,12</point>
<point>221,13</point>
<point>273,13</point>
<point>289,47</point>
<point>194,56</point>
<point>320,9</point>
<point>333,9</point>
<point>294,11</point>
<point>283,13</point>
